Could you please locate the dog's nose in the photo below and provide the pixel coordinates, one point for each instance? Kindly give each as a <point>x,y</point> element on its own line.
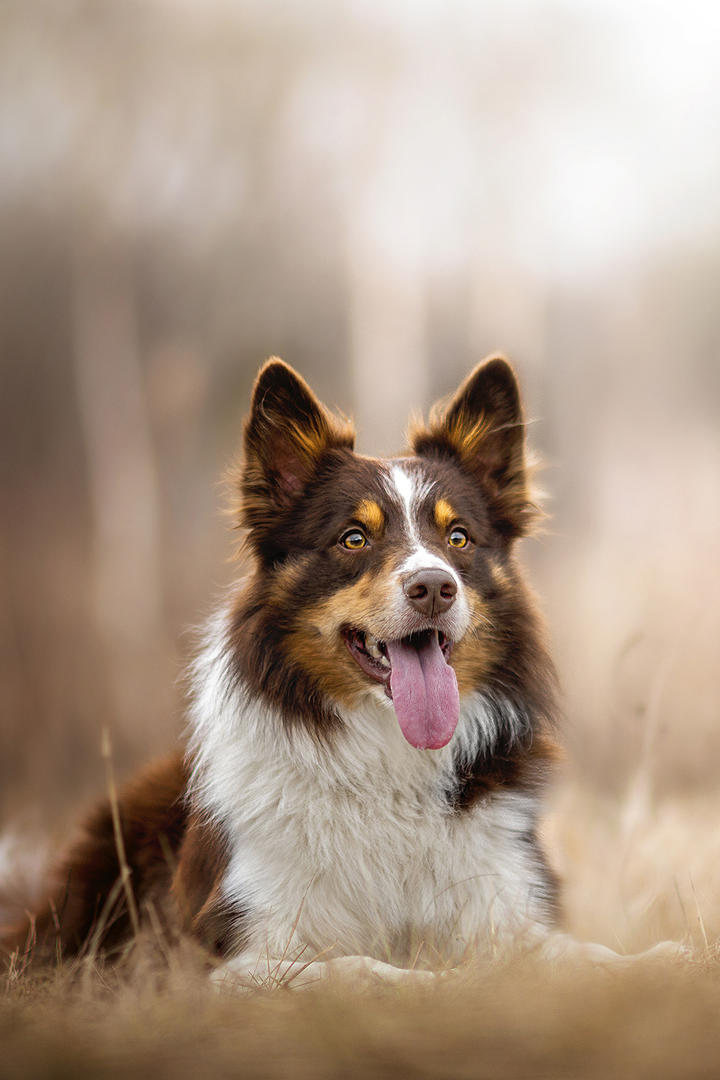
<point>430,591</point>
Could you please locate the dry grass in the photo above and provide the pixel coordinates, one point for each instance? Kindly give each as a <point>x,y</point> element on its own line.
<point>516,1020</point>
<point>638,870</point>
<point>635,873</point>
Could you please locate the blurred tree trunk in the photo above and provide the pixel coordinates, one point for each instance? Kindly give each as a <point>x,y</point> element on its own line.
<point>387,302</point>
<point>387,348</point>
<point>127,589</point>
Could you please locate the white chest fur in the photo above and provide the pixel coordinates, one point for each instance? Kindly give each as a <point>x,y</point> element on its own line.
<point>350,845</point>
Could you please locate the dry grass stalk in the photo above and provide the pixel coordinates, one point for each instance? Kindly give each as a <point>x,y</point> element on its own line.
<point>125,870</point>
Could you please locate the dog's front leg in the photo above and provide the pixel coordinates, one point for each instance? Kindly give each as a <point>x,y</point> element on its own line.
<point>248,972</point>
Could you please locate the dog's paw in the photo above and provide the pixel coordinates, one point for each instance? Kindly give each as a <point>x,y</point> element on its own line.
<point>355,972</point>
<point>564,948</point>
<point>666,950</point>
<point>365,972</point>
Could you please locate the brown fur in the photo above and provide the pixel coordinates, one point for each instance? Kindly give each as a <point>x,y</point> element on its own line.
<point>483,427</point>
<point>153,817</point>
<point>286,638</point>
<point>197,886</point>
<point>287,433</point>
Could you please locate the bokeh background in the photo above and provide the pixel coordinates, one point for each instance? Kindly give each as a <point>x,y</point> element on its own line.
<point>381,193</point>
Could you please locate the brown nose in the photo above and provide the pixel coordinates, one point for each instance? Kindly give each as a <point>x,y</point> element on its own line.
<point>430,591</point>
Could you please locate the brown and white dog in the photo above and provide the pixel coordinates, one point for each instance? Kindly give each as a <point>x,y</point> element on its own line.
<point>371,718</point>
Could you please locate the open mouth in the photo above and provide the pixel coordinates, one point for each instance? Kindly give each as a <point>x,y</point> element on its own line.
<point>373,657</point>
<point>418,679</point>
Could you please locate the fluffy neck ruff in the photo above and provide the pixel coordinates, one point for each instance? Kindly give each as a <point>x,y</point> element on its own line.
<point>502,739</point>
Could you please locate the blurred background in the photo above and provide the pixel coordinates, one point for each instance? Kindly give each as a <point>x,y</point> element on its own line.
<point>381,193</point>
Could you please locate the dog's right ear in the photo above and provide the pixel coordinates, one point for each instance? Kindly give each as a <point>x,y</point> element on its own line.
<point>287,435</point>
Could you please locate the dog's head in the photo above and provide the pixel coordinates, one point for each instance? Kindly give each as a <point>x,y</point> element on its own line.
<point>387,577</point>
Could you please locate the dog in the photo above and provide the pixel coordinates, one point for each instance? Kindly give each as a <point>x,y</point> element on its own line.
<point>372,716</point>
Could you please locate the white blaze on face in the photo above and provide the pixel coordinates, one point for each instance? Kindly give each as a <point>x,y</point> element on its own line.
<point>411,489</point>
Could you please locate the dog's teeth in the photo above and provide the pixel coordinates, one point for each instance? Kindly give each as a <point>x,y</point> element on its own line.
<point>372,646</point>
<point>384,660</point>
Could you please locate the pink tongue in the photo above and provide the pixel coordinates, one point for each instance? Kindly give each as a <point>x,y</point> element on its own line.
<point>424,692</point>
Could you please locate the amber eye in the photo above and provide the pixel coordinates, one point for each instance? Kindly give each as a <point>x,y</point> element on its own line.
<point>458,538</point>
<point>353,540</point>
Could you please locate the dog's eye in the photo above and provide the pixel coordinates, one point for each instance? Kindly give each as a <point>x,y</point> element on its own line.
<point>353,540</point>
<point>458,538</point>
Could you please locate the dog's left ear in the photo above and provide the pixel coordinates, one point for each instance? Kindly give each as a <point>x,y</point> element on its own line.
<point>288,434</point>
<point>483,428</point>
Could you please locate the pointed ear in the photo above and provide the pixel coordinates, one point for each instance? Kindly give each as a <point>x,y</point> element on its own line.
<point>287,435</point>
<point>483,428</point>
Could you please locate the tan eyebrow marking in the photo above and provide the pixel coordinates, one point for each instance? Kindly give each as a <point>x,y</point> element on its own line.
<point>370,514</point>
<point>444,514</point>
